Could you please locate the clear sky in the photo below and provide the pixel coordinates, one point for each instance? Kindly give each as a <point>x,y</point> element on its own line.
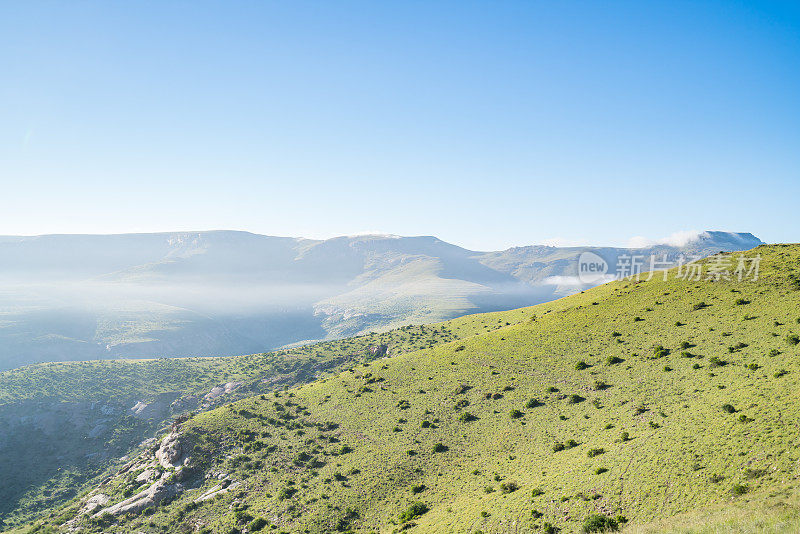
<point>487,124</point>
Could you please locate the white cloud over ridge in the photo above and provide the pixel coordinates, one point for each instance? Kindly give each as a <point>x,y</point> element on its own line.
<point>678,239</point>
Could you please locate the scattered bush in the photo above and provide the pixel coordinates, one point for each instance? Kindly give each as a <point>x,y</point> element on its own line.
<point>581,365</point>
<point>533,403</point>
<point>509,487</point>
<point>793,339</point>
<point>515,414</point>
<point>727,408</point>
<point>659,351</point>
<point>739,489</point>
<point>415,510</point>
<point>575,399</point>
<point>440,447</point>
<point>595,452</point>
<point>600,523</point>
<point>257,524</point>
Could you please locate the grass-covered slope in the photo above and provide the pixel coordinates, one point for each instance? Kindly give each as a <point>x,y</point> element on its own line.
<point>62,423</point>
<point>645,400</point>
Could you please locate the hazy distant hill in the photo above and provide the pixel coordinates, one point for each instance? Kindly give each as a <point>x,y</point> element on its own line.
<point>66,297</point>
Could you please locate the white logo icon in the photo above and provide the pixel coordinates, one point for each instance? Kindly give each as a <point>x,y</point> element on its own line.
<point>591,268</point>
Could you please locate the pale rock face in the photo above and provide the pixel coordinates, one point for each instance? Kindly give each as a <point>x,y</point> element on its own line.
<point>146,475</point>
<point>170,451</point>
<point>95,502</point>
<point>138,407</point>
<point>224,389</point>
<point>144,499</point>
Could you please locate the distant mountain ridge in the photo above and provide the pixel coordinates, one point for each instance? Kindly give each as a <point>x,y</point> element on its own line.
<point>65,297</point>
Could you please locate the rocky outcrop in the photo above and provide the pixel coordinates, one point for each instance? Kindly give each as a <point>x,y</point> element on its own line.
<point>219,489</point>
<point>224,389</point>
<point>170,452</point>
<point>153,495</point>
<point>167,463</point>
<point>378,351</point>
<point>95,502</point>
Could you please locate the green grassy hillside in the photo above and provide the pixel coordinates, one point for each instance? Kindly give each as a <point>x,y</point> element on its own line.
<point>636,401</point>
<point>61,424</point>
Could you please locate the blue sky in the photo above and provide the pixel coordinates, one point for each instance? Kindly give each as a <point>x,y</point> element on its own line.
<point>487,124</point>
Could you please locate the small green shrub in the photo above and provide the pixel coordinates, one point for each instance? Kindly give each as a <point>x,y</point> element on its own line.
<point>714,361</point>
<point>257,524</point>
<point>575,399</point>
<point>739,489</point>
<point>466,417</point>
<point>415,510</point>
<point>533,403</point>
<point>509,487</point>
<point>600,523</point>
<point>659,351</point>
